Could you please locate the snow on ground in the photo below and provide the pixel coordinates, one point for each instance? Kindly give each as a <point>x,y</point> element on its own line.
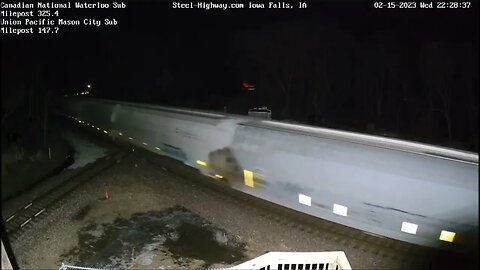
<point>85,151</point>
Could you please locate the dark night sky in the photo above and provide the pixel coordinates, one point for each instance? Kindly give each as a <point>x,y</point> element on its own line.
<point>195,51</point>
<point>151,32</point>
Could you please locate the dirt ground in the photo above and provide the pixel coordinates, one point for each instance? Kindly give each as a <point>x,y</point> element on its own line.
<point>90,231</point>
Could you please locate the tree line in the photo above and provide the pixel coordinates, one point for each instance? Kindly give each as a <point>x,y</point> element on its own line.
<point>382,84</point>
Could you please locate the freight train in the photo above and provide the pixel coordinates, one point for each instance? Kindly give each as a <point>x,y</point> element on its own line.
<point>409,191</point>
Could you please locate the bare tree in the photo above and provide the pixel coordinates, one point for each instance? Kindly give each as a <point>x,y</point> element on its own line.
<point>374,73</point>
<point>469,82</point>
<point>278,56</point>
<point>11,100</point>
<point>438,66</point>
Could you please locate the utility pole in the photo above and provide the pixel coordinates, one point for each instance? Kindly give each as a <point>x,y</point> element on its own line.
<point>8,257</point>
<point>5,260</point>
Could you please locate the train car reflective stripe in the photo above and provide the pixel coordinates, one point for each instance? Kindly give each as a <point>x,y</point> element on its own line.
<point>144,143</point>
<point>219,176</point>
<point>447,236</point>
<point>158,148</point>
<point>201,162</point>
<point>130,138</point>
<point>409,227</point>
<point>104,131</point>
<point>120,133</point>
<point>98,128</point>
<point>304,199</point>
<point>10,218</point>
<point>340,209</point>
<point>248,175</point>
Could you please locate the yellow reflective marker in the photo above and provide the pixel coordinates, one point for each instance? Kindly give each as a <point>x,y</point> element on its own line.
<point>203,163</point>
<point>248,175</point>
<point>447,236</point>
<point>218,176</point>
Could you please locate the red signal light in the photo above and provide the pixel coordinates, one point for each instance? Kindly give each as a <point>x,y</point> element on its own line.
<point>248,86</point>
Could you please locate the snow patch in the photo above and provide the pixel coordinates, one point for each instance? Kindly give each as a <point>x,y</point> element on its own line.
<point>85,151</point>
<point>148,251</point>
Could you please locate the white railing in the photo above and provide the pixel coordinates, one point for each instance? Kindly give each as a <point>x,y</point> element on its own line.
<point>331,260</point>
<point>297,261</point>
<point>72,267</point>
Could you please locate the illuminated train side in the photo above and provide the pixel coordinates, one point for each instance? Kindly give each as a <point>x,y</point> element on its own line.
<point>407,191</point>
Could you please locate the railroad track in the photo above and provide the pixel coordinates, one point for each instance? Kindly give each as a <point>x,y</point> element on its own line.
<point>23,218</point>
<point>410,255</point>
